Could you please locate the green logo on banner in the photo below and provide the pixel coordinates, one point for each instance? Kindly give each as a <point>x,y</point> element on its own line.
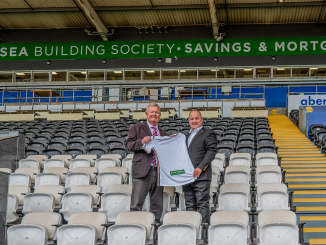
<point>163,48</point>
<point>177,172</point>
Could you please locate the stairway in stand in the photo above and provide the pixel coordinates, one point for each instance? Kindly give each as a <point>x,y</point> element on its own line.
<point>305,174</point>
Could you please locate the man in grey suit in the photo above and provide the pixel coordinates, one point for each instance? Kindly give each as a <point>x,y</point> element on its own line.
<point>202,148</point>
<point>144,168</point>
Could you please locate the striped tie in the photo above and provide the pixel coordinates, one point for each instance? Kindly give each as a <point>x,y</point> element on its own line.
<point>154,158</point>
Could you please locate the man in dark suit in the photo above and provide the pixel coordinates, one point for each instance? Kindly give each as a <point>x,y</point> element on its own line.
<point>144,168</point>
<point>202,148</point>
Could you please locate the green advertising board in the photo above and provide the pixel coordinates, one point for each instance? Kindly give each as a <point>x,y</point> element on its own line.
<point>166,48</point>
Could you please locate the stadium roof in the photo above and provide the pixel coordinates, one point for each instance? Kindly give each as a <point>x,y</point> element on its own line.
<point>101,14</point>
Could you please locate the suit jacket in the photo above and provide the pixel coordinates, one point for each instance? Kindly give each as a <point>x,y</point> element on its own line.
<point>202,151</point>
<point>142,161</point>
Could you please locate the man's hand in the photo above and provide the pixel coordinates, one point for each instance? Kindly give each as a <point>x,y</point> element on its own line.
<point>146,140</point>
<point>197,172</point>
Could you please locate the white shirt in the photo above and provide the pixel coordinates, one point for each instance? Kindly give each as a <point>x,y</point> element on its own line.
<point>173,162</point>
<point>192,134</point>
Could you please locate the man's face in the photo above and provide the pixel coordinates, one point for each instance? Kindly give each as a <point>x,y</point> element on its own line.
<point>195,120</point>
<point>153,115</point>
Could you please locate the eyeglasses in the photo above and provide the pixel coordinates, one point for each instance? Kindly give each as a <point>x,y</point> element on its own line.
<point>154,112</point>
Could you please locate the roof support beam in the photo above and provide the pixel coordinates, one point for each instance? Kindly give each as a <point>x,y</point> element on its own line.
<point>93,18</point>
<point>212,11</point>
<point>168,7</point>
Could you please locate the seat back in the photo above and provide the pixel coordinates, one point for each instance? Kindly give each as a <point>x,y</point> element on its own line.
<point>73,179</point>
<point>12,205</point>
<point>234,197</point>
<point>145,219</point>
<point>272,197</point>
<point>237,174</point>
<point>76,163</point>
<point>38,202</point>
<point>65,158</point>
<point>54,163</point>
<point>28,163</point>
<point>47,179</point>
<point>19,179</point>
<point>103,163</point>
<point>55,190</point>
<point>266,159</point>
<point>240,159</point>
<point>90,189</point>
<point>39,158</point>
<point>77,202</point>
<point>94,219</point>
<point>278,226</point>
<point>268,174</point>
<point>228,227</point>
<point>107,179</point>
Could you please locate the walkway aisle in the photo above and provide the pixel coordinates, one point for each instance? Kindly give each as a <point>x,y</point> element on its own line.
<point>305,170</point>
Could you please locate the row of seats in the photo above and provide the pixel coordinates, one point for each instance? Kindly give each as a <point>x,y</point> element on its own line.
<point>182,228</point>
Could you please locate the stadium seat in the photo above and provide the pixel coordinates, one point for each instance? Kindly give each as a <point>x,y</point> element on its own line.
<point>92,171</point>
<point>38,202</point>
<point>73,179</point>
<point>12,206</point>
<point>266,159</point>
<point>54,163</point>
<point>266,148</point>
<point>29,171</point>
<point>76,202</point>
<point>19,191</point>
<point>39,158</point>
<point>315,127</point>
<point>237,174</point>
<point>28,163</point>
<point>111,176</point>
<point>98,151</point>
<point>56,190</point>
<point>268,174</point>
<point>116,157</point>
<point>103,163</point>
<point>246,140</point>
<point>265,140</point>
<point>273,197</point>
<point>246,148</point>
<point>65,158</point>
<point>57,170</point>
<point>47,179</point>
<point>227,150</point>
<point>74,151</point>
<point>116,201</point>
<point>36,228</point>
<point>76,163</point>
<point>118,150</point>
<point>83,227</point>
<point>131,228</point>
<point>240,159</point>
<point>229,227</point>
<point>180,228</point>
<point>94,190</point>
<point>219,161</point>
<point>57,151</point>
<point>234,197</point>
<point>280,226</point>
<point>92,158</point>
<point>227,141</point>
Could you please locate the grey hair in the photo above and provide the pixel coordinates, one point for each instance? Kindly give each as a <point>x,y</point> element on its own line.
<point>152,105</point>
<point>197,111</point>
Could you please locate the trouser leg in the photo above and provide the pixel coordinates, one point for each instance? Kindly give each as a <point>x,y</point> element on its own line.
<point>156,199</point>
<point>140,188</point>
<point>190,197</point>
<point>201,190</point>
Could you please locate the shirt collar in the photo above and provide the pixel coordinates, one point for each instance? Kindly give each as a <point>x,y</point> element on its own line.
<point>196,130</point>
<point>150,125</point>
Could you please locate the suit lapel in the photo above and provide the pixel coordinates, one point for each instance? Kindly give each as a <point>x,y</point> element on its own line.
<point>147,129</point>
<point>196,136</point>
